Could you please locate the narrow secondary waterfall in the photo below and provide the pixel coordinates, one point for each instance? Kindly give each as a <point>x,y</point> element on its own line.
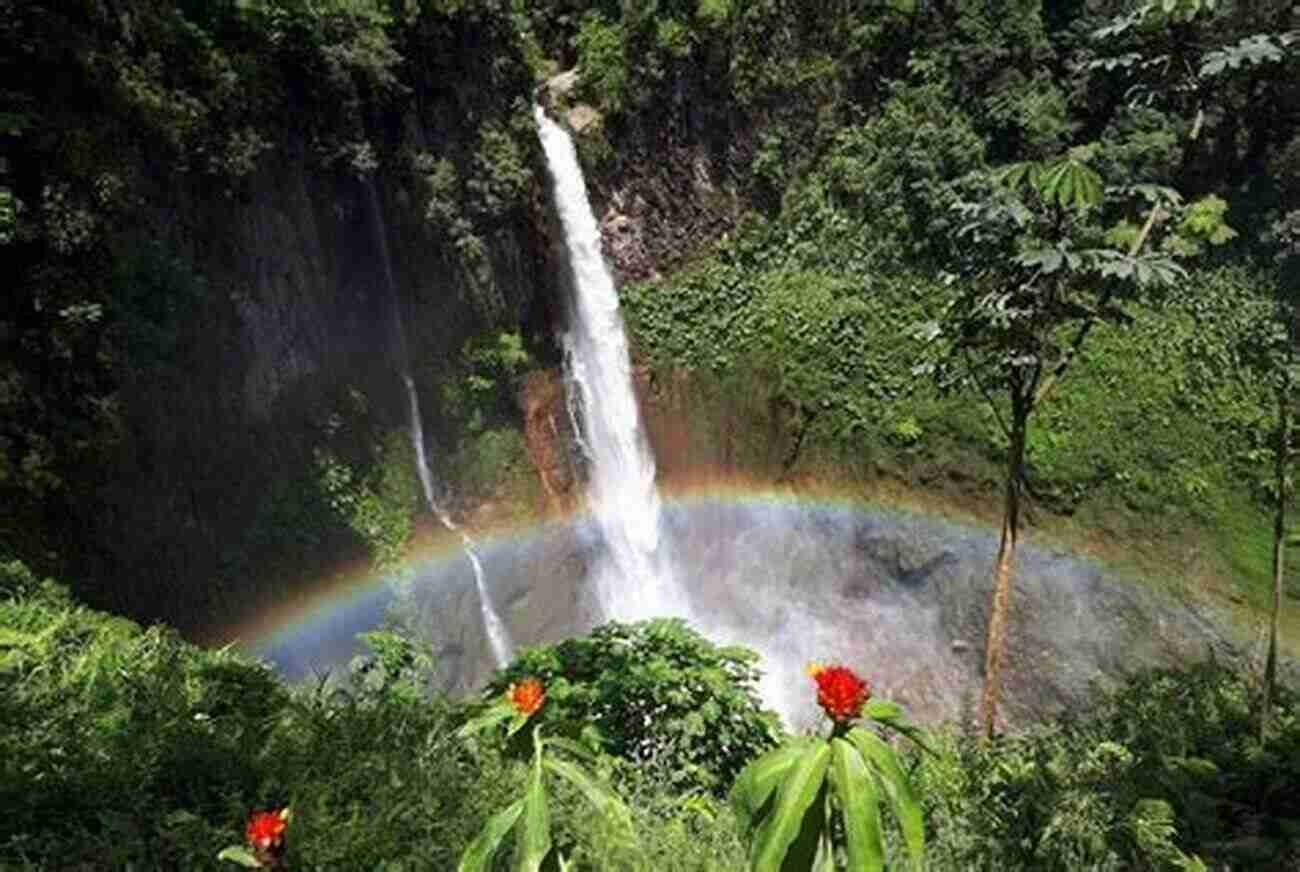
<point>636,579</point>
<point>498,637</point>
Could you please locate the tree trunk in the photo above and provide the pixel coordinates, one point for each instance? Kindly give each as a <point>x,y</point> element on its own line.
<point>995,643</point>
<point>1279,554</point>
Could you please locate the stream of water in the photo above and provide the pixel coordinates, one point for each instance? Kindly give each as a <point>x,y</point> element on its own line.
<point>635,578</point>
<point>497,634</point>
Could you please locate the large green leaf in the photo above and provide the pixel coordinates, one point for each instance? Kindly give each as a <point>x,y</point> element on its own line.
<point>759,778</point>
<point>1012,176</point>
<point>601,797</point>
<point>1070,184</point>
<point>855,788</point>
<point>517,722</point>
<point>241,855</point>
<point>534,839</point>
<point>883,710</point>
<point>499,711</point>
<point>903,801</point>
<point>797,792</point>
<point>478,856</point>
<point>812,849</point>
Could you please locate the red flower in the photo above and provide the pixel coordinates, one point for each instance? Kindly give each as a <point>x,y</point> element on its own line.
<point>265,829</point>
<point>839,691</point>
<point>526,696</point>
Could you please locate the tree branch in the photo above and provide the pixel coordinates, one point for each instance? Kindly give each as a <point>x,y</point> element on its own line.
<point>1072,350</point>
<point>988,398</point>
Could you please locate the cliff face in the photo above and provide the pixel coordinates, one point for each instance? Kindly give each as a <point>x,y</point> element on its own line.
<point>296,315</point>
<point>235,233</point>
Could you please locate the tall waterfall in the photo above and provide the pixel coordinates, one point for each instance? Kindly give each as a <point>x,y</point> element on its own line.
<point>635,580</point>
<point>497,635</point>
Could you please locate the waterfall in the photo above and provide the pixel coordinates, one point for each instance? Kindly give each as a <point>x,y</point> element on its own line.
<point>635,578</point>
<point>497,635</point>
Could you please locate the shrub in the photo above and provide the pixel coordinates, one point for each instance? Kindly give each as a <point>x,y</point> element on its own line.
<point>1159,772</point>
<point>659,695</point>
<point>816,797</point>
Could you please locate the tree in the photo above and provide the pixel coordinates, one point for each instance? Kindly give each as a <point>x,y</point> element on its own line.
<point>1036,268</point>
<point>1208,64</point>
<point>1221,62</point>
<point>1279,358</point>
<point>1244,355</point>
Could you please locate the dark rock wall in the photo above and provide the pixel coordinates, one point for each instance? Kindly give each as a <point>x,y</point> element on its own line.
<point>295,313</point>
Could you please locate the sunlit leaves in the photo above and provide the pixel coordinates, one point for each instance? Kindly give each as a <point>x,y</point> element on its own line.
<point>795,794</point>
<point>1146,271</point>
<point>1070,184</point>
<point>757,781</point>
<point>478,856</point>
<point>813,796</point>
<point>1046,260</point>
<point>659,694</point>
<point>529,817</point>
<point>1155,12</point>
<point>1204,219</point>
<point>533,837</point>
<point>855,788</point>
<point>1253,50</point>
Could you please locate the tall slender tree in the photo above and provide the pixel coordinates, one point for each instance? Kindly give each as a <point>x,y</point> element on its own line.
<point>1047,253</point>
<point>1282,358</point>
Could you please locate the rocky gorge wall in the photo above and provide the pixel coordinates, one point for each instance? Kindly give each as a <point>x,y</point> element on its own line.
<point>294,339</point>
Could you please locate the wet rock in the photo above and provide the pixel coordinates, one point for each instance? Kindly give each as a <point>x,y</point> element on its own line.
<point>549,438</point>
<point>623,236</point>
<point>582,118</point>
<point>558,87</point>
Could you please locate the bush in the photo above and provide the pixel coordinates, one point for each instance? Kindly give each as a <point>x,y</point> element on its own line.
<point>127,748</point>
<point>1162,769</point>
<point>109,732</point>
<point>661,697</point>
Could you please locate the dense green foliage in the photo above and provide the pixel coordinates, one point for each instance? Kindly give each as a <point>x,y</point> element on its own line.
<point>126,746</point>
<point>856,242</point>
<point>657,695</point>
<point>1163,767</point>
<point>153,154</point>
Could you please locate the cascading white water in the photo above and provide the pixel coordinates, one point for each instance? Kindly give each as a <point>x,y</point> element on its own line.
<point>636,579</point>
<point>497,635</point>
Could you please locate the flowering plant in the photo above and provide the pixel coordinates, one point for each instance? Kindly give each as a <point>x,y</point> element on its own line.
<point>264,835</point>
<point>840,692</point>
<point>791,798</point>
<point>526,696</point>
<point>529,816</point>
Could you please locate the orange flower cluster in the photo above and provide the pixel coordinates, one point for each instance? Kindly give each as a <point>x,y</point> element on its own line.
<point>526,696</point>
<point>265,829</point>
<point>840,692</point>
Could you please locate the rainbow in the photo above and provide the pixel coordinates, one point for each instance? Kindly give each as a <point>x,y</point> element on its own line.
<point>319,620</point>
